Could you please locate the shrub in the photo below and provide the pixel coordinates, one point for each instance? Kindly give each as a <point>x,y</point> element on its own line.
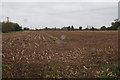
<point>9,27</point>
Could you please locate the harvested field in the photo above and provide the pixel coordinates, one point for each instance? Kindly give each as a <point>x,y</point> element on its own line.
<point>59,54</point>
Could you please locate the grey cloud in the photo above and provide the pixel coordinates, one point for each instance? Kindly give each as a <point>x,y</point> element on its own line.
<point>41,14</point>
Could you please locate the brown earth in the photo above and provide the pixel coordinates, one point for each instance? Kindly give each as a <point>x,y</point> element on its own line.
<point>59,54</point>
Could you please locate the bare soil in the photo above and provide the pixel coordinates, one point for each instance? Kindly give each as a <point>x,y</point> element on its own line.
<point>59,54</point>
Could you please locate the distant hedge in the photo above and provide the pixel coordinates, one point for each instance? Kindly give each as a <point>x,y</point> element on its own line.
<point>9,27</point>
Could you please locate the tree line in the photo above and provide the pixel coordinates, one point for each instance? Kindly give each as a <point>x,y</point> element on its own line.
<point>10,27</point>
<point>114,26</point>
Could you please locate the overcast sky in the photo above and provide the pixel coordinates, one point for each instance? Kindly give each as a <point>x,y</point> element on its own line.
<point>59,14</point>
<point>60,0</point>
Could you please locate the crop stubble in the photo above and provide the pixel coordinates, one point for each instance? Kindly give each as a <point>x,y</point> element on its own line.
<point>60,54</point>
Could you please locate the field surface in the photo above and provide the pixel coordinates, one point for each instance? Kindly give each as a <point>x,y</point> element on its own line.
<point>59,54</point>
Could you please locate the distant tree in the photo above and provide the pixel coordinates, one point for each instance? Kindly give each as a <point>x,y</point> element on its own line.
<point>55,28</point>
<point>20,28</point>
<point>108,28</point>
<point>46,28</point>
<point>116,20</point>
<point>26,28</point>
<point>86,28</point>
<point>103,28</point>
<point>64,28</point>
<point>80,28</point>
<point>16,27</point>
<point>92,28</point>
<point>68,28</point>
<point>115,25</point>
<point>37,29</point>
<point>72,27</point>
